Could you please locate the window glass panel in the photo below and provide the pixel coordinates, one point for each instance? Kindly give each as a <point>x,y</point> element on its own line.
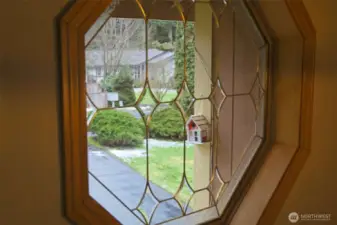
<point>175,107</point>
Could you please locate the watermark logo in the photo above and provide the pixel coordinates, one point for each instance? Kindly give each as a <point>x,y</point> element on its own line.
<point>294,217</point>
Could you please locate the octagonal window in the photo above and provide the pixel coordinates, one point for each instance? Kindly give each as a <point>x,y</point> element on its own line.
<point>176,102</point>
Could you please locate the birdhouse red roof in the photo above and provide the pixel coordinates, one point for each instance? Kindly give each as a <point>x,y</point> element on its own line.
<point>199,120</point>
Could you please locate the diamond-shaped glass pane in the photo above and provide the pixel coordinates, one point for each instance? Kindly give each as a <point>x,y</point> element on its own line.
<point>257,94</point>
<point>200,200</point>
<point>166,210</point>
<point>243,128</point>
<point>217,185</point>
<point>258,97</point>
<point>148,205</point>
<point>147,101</point>
<point>185,101</point>
<point>218,97</point>
<point>184,194</point>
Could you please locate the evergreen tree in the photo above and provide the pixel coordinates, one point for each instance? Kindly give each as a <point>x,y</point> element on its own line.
<point>122,83</point>
<point>188,34</point>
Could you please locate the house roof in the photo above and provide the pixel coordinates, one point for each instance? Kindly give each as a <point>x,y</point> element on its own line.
<point>129,57</point>
<point>200,121</point>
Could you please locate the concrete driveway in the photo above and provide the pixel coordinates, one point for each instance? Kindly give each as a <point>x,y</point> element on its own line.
<point>109,175</point>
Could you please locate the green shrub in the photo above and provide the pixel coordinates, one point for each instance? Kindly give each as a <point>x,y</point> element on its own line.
<point>118,129</point>
<point>167,124</point>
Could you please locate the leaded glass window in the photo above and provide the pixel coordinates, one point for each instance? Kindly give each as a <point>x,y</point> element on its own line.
<point>142,169</point>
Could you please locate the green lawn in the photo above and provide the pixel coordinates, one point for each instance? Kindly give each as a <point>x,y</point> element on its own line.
<point>169,96</point>
<point>166,168</point>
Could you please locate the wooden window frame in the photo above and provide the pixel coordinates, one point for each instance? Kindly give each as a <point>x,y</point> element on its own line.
<point>82,209</point>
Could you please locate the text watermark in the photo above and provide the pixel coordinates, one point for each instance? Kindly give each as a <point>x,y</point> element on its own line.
<point>295,217</point>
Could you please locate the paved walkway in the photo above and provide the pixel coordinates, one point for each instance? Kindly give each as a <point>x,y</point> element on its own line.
<point>127,185</point>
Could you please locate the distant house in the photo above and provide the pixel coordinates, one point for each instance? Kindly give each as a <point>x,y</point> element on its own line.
<point>160,62</point>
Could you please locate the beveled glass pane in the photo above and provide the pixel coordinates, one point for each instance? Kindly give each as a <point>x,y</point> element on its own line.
<point>223,54</point>
<point>202,148</point>
<point>166,151</point>
<point>117,155</point>
<point>217,185</point>
<point>245,21</point>
<point>162,58</point>
<point>166,210</point>
<point>185,101</point>
<point>218,97</point>
<point>116,59</point>
<point>247,158</point>
<point>148,205</point>
<point>184,194</point>
<point>224,137</point>
<point>200,200</point>
<point>243,127</point>
<point>191,58</point>
<point>246,55</point>
<point>147,101</point>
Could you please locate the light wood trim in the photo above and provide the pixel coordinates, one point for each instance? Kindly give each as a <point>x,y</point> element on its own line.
<point>264,185</point>
<point>71,201</point>
<point>96,209</point>
<point>307,30</point>
<point>308,33</point>
<point>271,186</point>
<point>74,25</point>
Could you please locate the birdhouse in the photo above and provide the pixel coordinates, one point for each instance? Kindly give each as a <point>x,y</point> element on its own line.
<point>198,129</point>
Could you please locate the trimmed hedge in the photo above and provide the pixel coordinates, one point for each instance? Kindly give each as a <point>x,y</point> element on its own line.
<point>118,129</point>
<point>167,124</point>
